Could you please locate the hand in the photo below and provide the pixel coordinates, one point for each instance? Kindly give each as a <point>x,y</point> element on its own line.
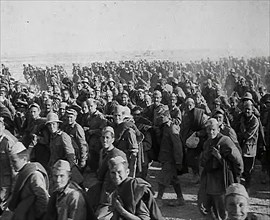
<point>117,203</point>
<point>82,164</point>
<point>215,153</point>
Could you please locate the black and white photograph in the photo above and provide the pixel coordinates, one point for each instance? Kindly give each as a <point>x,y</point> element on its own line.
<point>135,110</point>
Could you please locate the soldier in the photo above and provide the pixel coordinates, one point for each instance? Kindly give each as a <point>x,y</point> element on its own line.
<point>68,200</point>
<point>248,139</point>
<point>133,198</point>
<point>76,132</point>
<point>108,152</point>
<point>6,171</point>
<point>30,195</point>
<point>218,151</point>
<point>170,157</point>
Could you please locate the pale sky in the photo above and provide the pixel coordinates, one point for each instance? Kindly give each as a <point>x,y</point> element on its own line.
<point>29,27</point>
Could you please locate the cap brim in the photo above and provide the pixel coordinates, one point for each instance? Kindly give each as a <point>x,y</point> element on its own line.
<point>48,122</point>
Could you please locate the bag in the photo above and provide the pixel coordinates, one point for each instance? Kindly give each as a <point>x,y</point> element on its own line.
<point>192,141</point>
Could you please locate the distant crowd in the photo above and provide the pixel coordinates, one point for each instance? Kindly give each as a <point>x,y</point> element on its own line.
<point>114,119</point>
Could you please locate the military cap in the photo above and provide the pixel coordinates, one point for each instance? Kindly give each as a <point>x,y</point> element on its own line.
<point>85,80</point>
<point>17,148</point>
<point>108,129</point>
<point>72,112</point>
<point>124,92</point>
<point>34,105</point>
<point>63,105</point>
<point>218,111</point>
<point>248,96</point>
<point>62,165</point>
<point>236,189</point>
<point>52,117</point>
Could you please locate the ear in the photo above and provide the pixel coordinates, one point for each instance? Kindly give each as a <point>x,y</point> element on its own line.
<point>128,171</point>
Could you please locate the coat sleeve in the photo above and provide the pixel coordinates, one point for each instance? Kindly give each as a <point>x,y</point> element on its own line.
<point>38,187</point>
<point>177,144</point>
<point>232,155</point>
<point>83,146</point>
<point>69,150</point>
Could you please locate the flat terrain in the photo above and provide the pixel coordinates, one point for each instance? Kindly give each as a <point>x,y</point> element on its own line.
<point>259,193</point>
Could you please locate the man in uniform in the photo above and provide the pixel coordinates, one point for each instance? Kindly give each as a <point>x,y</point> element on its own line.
<point>170,157</point>
<point>133,198</point>
<point>68,201</point>
<point>76,132</point>
<point>30,195</point>
<point>248,139</point>
<point>6,171</point>
<point>125,137</point>
<point>218,152</point>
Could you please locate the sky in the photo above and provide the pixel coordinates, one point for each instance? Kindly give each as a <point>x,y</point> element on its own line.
<point>40,27</point>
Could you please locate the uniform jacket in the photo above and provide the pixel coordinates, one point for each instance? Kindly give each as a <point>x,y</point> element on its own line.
<point>220,174</point>
<point>138,199</point>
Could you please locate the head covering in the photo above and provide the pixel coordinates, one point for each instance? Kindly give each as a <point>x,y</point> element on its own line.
<point>119,109</point>
<point>62,165</point>
<point>248,96</point>
<point>217,101</point>
<point>3,87</point>
<point>17,148</point>
<point>111,80</point>
<point>85,80</point>
<point>236,189</point>
<point>52,117</point>
<point>218,111</point>
<point>72,112</point>
<point>63,105</point>
<point>175,81</point>
<point>107,129</point>
<point>34,105</point>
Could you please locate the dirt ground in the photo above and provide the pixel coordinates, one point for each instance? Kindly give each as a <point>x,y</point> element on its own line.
<point>259,193</point>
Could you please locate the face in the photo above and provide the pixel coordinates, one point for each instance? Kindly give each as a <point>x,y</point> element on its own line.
<point>34,112</point>
<point>237,207</point>
<point>60,179</point>
<point>157,99</point>
<point>220,118</point>
<point>53,127</point>
<point>130,87</point>
<point>118,117</point>
<point>173,101</point>
<point>18,162</point>
<point>66,95</point>
<point>118,174</point>
<point>85,107</point>
<point>79,87</point>
<point>190,105</point>
<point>248,110</point>
<point>198,99</point>
<point>212,131</point>
<point>92,107</point>
<point>71,119</point>
<point>92,94</point>
<point>62,111</point>
<point>109,96</point>
<point>48,106</point>
<point>107,140</point>
<point>140,94</point>
<point>124,99</point>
